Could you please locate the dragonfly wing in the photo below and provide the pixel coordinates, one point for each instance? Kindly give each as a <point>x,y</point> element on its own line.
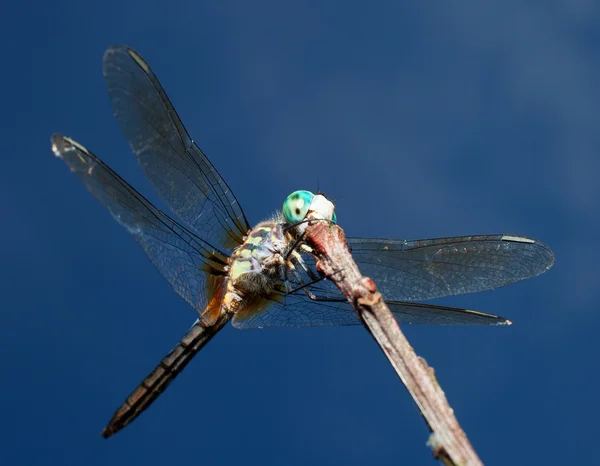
<point>188,263</point>
<point>420,313</point>
<point>301,311</point>
<point>432,268</point>
<point>327,307</point>
<point>296,310</point>
<point>176,167</point>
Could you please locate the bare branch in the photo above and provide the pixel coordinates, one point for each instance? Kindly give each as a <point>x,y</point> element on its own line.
<point>448,441</point>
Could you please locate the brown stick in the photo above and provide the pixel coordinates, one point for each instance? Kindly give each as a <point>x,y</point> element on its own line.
<point>448,441</point>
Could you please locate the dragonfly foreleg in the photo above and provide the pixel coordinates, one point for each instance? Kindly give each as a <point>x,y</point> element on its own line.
<point>305,286</point>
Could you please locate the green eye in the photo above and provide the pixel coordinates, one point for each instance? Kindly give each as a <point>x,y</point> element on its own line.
<point>334,218</point>
<point>296,206</point>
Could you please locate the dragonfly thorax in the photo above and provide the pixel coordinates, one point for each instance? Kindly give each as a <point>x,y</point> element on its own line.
<point>255,267</point>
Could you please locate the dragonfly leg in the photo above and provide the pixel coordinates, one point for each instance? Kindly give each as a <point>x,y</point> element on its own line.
<point>306,248</point>
<point>297,258</point>
<point>293,247</point>
<point>305,286</point>
<point>298,242</point>
<point>314,279</point>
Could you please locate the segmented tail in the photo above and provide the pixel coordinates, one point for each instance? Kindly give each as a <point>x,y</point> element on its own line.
<point>160,378</point>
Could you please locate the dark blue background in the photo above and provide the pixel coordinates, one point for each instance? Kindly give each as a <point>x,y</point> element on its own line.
<point>421,121</point>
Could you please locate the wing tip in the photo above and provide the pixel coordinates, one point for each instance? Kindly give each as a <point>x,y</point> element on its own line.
<point>108,431</point>
<point>115,48</point>
<point>127,50</point>
<point>550,259</point>
<point>61,144</point>
<point>519,239</point>
<point>57,142</point>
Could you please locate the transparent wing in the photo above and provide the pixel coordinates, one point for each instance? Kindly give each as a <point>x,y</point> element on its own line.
<point>189,264</point>
<point>301,311</point>
<point>433,268</point>
<point>176,167</point>
<point>321,304</point>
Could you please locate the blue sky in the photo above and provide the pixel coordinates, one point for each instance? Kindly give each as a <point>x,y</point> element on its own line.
<point>418,120</point>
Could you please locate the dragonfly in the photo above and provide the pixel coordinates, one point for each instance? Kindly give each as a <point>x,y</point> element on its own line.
<point>262,276</point>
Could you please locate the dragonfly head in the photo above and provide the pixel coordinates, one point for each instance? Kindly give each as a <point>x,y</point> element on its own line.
<point>301,204</point>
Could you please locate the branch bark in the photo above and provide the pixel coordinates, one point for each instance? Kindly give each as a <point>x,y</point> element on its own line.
<point>448,441</point>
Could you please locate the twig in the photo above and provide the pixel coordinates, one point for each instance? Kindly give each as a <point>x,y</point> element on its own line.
<point>448,441</point>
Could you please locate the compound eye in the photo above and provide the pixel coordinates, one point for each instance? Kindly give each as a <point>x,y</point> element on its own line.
<point>296,206</point>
